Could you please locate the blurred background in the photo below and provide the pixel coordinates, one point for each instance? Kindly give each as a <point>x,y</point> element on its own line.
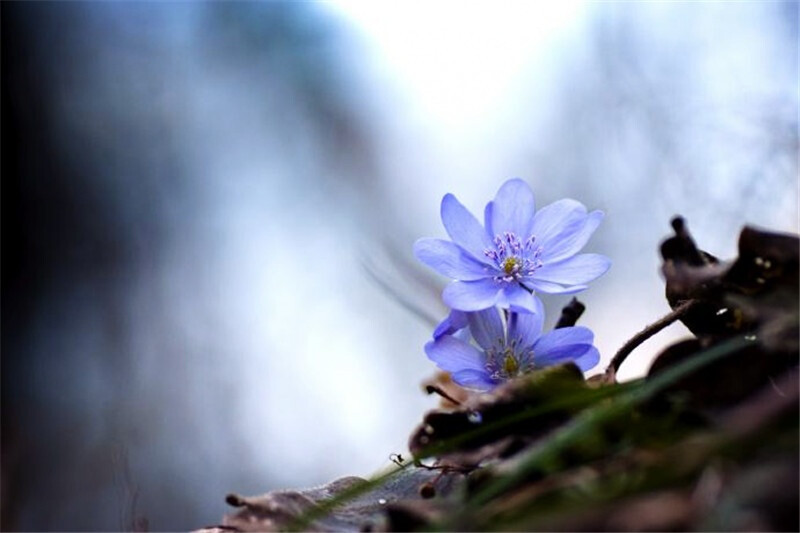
<point>208,211</point>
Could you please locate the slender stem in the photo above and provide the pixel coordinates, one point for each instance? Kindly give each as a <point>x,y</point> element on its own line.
<point>646,333</point>
<point>430,389</point>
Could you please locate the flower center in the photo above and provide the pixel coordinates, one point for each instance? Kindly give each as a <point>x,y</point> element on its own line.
<point>514,258</point>
<point>511,265</point>
<point>510,365</point>
<point>505,362</point>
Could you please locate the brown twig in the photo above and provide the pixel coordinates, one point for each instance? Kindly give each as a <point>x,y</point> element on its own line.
<point>570,314</point>
<point>431,389</point>
<point>645,334</point>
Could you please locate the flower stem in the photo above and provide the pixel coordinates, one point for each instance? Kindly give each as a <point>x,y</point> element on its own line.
<point>645,334</point>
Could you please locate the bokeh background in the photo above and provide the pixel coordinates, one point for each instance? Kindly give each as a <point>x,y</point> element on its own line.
<point>208,211</point>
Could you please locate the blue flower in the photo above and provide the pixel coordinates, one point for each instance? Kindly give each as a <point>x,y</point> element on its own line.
<point>516,252</point>
<point>507,344</point>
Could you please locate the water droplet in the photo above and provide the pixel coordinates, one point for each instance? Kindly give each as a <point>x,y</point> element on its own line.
<point>722,311</point>
<point>761,281</point>
<point>428,429</point>
<point>424,440</point>
<point>382,501</point>
<point>749,337</point>
<point>475,417</point>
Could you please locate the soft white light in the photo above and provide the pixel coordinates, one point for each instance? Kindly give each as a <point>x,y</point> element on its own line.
<point>459,61</point>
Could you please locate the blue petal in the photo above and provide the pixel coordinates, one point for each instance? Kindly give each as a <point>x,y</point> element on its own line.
<point>471,295</point>
<point>551,220</point>
<point>455,321</point>
<point>553,288</point>
<point>561,354</point>
<point>450,260</point>
<point>588,360</point>
<point>576,270</point>
<point>571,240</point>
<point>562,345</point>
<point>518,299</point>
<point>464,228</point>
<point>525,327</point>
<point>512,209</point>
<point>487,219</point>
<point>486,327</point>
<point>562,336</point>
<point>474,379</point>
<point>454,355</point>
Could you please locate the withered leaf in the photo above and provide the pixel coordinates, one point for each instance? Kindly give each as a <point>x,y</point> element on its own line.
<point>285,509</point>
<point>692,274</point>
<point>724,382</point>
<point>756,293</point>
<point>757,289</point>
<point>493,425</point>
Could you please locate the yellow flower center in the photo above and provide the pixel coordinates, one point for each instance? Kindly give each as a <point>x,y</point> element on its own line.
<point>511,265</point>
<point>507,361</point>
<point>510,365</point>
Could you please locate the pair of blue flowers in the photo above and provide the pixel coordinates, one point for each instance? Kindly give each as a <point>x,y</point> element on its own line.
<point>497,268</point>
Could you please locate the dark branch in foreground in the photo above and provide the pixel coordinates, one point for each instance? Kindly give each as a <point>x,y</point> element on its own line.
<point>431,389</point>
<point>645,334</point>
<point>570,314</point>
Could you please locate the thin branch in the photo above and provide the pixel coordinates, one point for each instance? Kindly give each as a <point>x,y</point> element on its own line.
<point>570,314</point>
<point>430,389</point>
<point>646,333</point>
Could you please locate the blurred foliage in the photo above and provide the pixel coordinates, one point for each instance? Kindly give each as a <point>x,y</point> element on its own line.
<point>708,440</point>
